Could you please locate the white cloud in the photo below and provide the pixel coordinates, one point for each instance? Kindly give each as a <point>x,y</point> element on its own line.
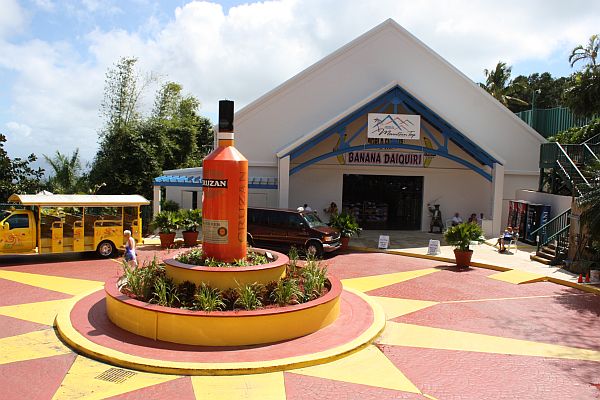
<point>12,18</point>
<point>46,5</point>
<point>18,130</point>
<point>243,54</point>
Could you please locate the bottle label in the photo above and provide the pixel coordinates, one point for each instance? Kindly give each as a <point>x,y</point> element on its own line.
<point>215,231</point>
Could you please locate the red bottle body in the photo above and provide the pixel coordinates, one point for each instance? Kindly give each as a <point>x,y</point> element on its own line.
<point>225,203</point>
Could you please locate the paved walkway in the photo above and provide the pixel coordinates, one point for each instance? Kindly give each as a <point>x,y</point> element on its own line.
<point>415,243</point>
<point>450,334</point>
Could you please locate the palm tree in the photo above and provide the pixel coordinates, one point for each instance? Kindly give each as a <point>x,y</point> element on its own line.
<point>66,178</point>
<point>589,53</point>
<point>499,85</point>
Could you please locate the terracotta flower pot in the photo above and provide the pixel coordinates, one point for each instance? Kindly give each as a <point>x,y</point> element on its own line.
<point>345,241</point>
<point>166,239</point>
<point>463,258</point>
<point>190,238</point>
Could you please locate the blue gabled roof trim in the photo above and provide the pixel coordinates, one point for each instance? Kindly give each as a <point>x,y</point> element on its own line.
<point>196,181</point>
<point>398,96</point>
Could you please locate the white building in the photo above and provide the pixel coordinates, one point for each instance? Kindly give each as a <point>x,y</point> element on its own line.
<point>306,140</point>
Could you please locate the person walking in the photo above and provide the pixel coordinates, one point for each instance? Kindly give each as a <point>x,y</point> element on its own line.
<point>130,256</point>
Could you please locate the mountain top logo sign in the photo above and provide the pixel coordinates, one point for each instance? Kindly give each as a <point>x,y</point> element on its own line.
<point>394,126</point>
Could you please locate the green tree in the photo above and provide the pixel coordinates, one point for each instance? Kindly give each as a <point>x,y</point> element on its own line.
<point>588,54</point>
<point>549,92</point>
<point>583,92</point>
<point>17,175</point>
<point>135,149</point>
<point>498,84</point>
<point>67,176</point>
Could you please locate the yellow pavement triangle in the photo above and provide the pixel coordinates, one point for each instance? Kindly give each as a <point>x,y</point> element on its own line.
<point>56,283</point>
<point>518,277</point>
<point>31,346</point>
<point>372,282</point>
<point>367,367</point>
<point>396,307</point>
<point>436,338</point>
<point>89,379</point>
<point>42,312</point>
<point>270,386</point>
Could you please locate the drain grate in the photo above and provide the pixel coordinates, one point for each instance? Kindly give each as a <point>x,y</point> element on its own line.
<point>115,375</point>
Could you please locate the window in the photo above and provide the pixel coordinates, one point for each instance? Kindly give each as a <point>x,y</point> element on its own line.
<point>18,221</point>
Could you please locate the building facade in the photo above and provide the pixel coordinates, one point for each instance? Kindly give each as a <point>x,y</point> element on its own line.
<point>322,137</point>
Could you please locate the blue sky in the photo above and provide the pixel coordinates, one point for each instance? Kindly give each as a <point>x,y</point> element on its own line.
<point>56,52</point>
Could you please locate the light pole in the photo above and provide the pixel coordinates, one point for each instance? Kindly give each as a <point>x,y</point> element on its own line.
<point>532,119</point>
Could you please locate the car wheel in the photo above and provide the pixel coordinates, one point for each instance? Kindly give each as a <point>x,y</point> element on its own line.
<point>106,249</point>
<point>315,248</point>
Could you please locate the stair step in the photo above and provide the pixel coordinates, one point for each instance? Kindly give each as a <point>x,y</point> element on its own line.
<point>545,256</point>
<point>533,257</point>
<point>549,250</point>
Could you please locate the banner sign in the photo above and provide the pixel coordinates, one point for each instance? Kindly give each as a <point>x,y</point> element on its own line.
<point>388,158</point>
<point>394,126</point>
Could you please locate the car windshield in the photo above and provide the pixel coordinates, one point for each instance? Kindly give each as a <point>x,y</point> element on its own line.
<point>313,220</point>
<point>4,214</point>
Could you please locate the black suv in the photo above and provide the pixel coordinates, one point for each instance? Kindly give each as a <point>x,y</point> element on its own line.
<point>271,227</point>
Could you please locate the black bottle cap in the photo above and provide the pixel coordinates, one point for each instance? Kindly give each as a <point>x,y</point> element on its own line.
<point>225,116</point>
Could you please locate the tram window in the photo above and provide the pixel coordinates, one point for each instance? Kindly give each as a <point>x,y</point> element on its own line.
<point>18,221</point>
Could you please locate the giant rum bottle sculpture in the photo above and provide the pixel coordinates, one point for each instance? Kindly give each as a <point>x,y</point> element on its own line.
<point>225,194</point>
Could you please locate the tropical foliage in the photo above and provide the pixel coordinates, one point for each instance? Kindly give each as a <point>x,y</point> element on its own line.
<point>461,235</point>
<point>589,201</point>
<point>346,224</point>
<point>588,54</point>
<point>149,283</point>
<point>134,148</point>
<point>67,174</point>
<point>18,175</point>
<point>498,84</point>
<point>578,135</point>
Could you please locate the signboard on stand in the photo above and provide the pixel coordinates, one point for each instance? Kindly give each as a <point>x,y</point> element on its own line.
<point>434,248</point>
<point>384,242</point>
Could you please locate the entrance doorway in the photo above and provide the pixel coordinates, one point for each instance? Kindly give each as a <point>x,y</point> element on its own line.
<point>383,201</point>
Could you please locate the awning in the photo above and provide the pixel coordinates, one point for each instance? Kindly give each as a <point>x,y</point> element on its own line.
<point>254,182</point>
<point>78,200</point>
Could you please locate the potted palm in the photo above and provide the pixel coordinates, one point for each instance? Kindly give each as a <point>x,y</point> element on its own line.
<point>347,225</point>
<point>167,223</point>
<point>461,236</point>
<point>191,220</point>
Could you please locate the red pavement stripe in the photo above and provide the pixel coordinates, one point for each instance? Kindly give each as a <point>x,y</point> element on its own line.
<point>34,379</point>
<point>301,387</point>
<point>19,293</point>
<point>12,326</point>
<point>447,374</point>
<point>178,389</point>
<point>570,320</point>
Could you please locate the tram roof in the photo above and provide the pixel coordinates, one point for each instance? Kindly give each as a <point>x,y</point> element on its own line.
<point>78,200</point>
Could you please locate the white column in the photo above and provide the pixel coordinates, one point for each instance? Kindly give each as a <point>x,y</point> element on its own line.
<point>497,198</point>
<point>156,200</point>
<point>284,181</point>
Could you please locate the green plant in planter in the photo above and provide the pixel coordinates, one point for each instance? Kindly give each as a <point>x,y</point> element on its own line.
<point>461,235</point>
<point>208,299</point>
<point>346,224</point>
<point>190,219</point>
<point>249,296</point>
<point>166,222</point>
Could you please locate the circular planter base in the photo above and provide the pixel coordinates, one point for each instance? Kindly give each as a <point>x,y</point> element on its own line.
<point>85,327</point>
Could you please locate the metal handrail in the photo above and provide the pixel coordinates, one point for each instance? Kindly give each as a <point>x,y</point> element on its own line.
<point>593,140</point>
<point>591,153</point>
<point>567,211</point>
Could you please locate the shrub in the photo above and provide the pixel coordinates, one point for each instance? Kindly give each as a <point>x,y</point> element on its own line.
<point>249,296</point>
<point>169,205</point>
<point>346,224</point>
<point>208,299</point>
<point>230,296</point>
<point>287,291</point>
<point>140,280</point>
<point>461,235</point>
<point>313,280</point>
<point>194,257</point>
<point>186,291</point>
<point>165,292</point>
